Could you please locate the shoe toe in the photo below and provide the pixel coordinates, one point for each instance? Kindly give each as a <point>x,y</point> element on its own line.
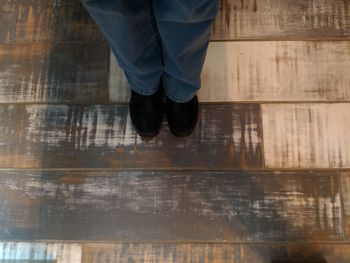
<point>146,113</point>
<point>182,117</point>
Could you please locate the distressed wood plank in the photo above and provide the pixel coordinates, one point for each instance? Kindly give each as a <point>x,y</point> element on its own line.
<point>216,253</point>
<point>265,71</point>
<point>297,253</point>
<point>54,73</point>
<point>40,252</point>
<point>345,183</point>
<point>171,252</point>
<point>282,19</point>
<point>66,20</point>
<point>306,135</point>
<point>102,136</point>
<point>170,206</point>
<point>46,20</point>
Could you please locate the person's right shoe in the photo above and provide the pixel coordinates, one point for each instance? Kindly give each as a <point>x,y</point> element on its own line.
<point>182,117</point>
<point>146,112</point>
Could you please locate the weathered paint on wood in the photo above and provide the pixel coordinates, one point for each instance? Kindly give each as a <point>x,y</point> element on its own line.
<point>66,20</point>
<point>306,135</point>
<point>54,73</point>
<point>46,20</point>
<point>265,71</point>
<point>283,19</point>
<point>216,253</point>
<point>170,206</point>
<point>162,252</point>
<point>345,183</point>
<point>24,252</point>
<point>297,253</point>
<point>102,136</point>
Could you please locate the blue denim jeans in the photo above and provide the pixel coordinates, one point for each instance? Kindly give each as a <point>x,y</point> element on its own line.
<point>157,40</point>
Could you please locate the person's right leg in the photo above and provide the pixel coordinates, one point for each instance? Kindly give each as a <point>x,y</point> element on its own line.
<point>130,29</point>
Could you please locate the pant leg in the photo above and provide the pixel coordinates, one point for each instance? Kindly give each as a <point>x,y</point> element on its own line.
<point>185,28</point>
<point>129,27</point>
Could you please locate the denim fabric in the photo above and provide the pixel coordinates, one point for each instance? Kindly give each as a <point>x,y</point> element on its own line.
<point>156,40</point>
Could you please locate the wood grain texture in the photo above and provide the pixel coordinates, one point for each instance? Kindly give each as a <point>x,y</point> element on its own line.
<point>97,136</point>
<point>54,73</point>
<point>66,20</point>
<point>265,71</point>
<point>345,183</point>
<point>306,135</point>
<point>170,206</point>
<point>25,252</point>
<point>46,20</point>
<point>40,252</point>
<point>282,19</point>
<point>216,253</point>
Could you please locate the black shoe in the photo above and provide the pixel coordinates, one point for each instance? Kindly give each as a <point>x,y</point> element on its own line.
<point>182,117</point>
<point>146,112</point>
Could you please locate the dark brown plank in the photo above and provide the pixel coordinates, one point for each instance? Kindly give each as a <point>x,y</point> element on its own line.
<point>345,183</point>
<point>170,206</point>
<point>97,136</point>
<point>282,19</point>
<point>67,20</point>
<point>54,73</point>
<point>46,20</point>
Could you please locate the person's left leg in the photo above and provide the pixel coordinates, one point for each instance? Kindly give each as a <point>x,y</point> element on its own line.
<point>129,27</point>
<point>185,29</point>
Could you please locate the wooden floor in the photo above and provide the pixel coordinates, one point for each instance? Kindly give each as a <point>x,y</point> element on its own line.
<point>264,177</point>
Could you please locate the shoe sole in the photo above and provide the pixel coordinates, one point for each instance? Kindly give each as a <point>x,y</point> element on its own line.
<point>182,134</point>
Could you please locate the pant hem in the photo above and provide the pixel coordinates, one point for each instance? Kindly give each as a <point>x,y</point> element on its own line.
<point>178,99</point>
<point>143,92</point>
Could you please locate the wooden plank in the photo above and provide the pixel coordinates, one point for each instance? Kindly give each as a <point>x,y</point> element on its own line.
<point>46,20</point>
<point>216,253</point>
<point>67,20</point>
<point>102,136</point>
<point>232,206</point>
<point>40,252</point>
<point>345,183</point>
<point>306,135</point>
<point>25,252</point>
<point>282,19</point>
<point>54,73</point>
<point>265,71</point>
<point>297,253</point>
<point>161,252</point>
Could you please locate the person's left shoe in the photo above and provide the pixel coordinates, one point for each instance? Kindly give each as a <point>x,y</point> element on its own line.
<point>182,117</point>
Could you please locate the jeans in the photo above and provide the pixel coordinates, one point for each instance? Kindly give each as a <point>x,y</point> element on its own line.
<point>157,40</point>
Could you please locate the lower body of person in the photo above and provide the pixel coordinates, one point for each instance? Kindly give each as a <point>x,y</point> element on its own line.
<point>161,46</point>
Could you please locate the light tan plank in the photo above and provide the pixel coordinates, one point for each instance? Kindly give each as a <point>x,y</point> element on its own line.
<point>265,71</point>
<point>161,252</point>
<point>283,19</point>
<point>306,135</point>
<point>48,252</point>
